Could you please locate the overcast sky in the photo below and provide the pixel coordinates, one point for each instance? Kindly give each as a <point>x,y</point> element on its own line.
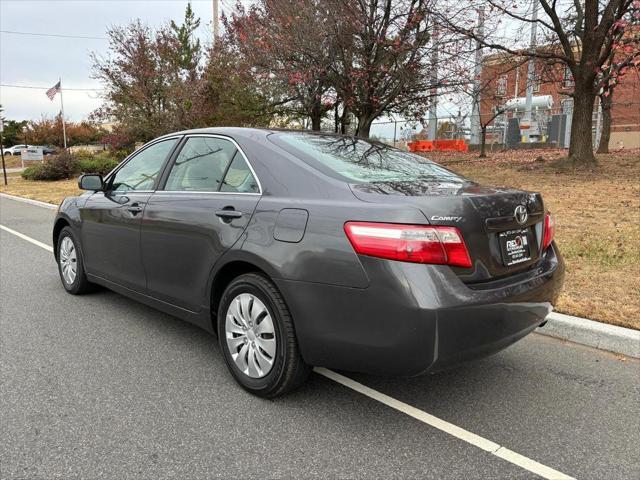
<point>30,60</point>
<point>38,61</point>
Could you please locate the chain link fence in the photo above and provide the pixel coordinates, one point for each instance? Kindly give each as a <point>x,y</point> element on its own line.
<point>549,126</point>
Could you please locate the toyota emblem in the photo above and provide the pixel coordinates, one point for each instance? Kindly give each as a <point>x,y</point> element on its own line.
<point>521,214</point>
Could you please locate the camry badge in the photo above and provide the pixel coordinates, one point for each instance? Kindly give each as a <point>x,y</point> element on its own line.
<point>521,214</point>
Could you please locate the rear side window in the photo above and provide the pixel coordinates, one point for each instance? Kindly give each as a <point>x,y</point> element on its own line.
<point>239,177</point>
<point>201,165</point>
<point>361,161</point>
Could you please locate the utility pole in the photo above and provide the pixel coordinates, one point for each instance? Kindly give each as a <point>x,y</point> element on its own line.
<point>216,20</point>
<point>527,119</point>
<point>475,113</point>
<point>395,129</point>
<point>598,136</point>
<point>4,168</point>
<point>433,100</point>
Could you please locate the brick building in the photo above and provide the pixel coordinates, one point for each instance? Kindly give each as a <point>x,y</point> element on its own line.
<point>504,82</point>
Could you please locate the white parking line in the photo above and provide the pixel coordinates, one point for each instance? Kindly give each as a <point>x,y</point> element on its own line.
<point>28,239</point>
<point>451,429</point>
<point>443,425</point>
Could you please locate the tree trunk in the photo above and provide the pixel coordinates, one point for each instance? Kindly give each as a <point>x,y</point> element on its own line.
<point>364,126</point>
<point>336,119</point>
<point>606,103</point>
<point>483,141</point>
<point>344,120</point>
<point>316,121</point>
<point>316,114</point>
<point>581,143</point>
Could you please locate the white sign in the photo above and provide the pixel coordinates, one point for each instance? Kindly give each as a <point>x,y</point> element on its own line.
<point>32,153</point>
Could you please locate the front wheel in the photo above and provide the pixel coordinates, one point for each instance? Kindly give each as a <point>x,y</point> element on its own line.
<point>70,264</point>
<point>257,338</point>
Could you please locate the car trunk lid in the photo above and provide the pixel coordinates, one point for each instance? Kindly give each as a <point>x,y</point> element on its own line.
<point>499,242</point>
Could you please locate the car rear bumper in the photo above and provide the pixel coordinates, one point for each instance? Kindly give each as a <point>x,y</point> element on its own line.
<point>413,318</point>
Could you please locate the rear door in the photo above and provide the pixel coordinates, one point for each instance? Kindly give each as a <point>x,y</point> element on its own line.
<point>111,219</point>
<point>208,196</point>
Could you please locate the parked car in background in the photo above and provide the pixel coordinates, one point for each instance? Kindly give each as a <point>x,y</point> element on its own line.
<point>301,249</point>
<point>15,150</point>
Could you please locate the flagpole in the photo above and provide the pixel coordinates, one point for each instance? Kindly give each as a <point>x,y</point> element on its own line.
<point>64,130</point>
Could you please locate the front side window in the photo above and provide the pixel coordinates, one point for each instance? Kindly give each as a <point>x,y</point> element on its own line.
<point>201,165</point>
<point>360,161</point>
<point>141,172</point>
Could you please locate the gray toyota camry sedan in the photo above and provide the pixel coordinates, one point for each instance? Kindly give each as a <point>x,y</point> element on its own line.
<point>301,249</point>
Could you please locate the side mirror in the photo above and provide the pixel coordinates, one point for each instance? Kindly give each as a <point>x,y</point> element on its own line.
<point>91,182</point>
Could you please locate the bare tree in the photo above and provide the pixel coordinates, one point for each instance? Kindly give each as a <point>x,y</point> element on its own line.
<point>576,34</point>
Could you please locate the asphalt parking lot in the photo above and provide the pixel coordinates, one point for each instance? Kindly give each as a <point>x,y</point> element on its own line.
<point>100,386</point>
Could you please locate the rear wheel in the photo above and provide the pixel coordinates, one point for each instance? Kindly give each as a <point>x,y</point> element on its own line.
<point>257,338</point>
<point>70,264</point>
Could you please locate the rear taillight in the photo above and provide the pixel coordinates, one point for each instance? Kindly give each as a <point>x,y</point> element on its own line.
<point>409,243</point>
<point>549,231</point>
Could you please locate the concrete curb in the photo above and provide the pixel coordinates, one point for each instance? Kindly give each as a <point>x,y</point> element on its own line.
<point>38,203</point>
<point>593,334</point>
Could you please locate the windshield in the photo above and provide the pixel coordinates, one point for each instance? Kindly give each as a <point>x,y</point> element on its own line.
<point>361,161</point>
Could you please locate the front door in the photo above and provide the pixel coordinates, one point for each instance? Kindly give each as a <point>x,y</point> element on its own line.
<point>208,198</point>
<point>111,219</point>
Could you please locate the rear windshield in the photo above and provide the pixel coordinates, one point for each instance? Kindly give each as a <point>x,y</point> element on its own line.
<point>361,161</point>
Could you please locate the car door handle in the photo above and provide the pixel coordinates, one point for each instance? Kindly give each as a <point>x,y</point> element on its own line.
<point>135,208</point>
<point>228,213</point>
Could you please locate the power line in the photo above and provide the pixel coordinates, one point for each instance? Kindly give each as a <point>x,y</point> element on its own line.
<point>52,35</point>
<point>47,88</point>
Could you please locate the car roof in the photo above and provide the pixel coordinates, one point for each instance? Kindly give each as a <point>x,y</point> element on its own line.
<point>249,131</point>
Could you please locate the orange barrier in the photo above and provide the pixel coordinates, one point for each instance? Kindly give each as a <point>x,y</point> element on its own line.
<point>450,145</point>
<point>421,146</point>
<point>438,145</point>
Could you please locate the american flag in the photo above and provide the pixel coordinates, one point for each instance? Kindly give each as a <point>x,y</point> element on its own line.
<point>51,93</point>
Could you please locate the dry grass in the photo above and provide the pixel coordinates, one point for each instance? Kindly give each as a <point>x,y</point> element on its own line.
<point>52,192</point>
<point>597,214</point>
<point>14,161</point>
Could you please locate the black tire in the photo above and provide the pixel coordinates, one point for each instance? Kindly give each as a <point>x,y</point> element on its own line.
<point>289,370</point>
<point>80,284</point>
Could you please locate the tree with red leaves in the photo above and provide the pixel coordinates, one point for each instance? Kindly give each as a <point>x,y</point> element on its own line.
<point>160,80</point>
<point>380,63</point>
<point>367,55</point>
<point>285,45</point>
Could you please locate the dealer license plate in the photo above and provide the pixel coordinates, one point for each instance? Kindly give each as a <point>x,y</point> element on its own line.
<point>515,246</point>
